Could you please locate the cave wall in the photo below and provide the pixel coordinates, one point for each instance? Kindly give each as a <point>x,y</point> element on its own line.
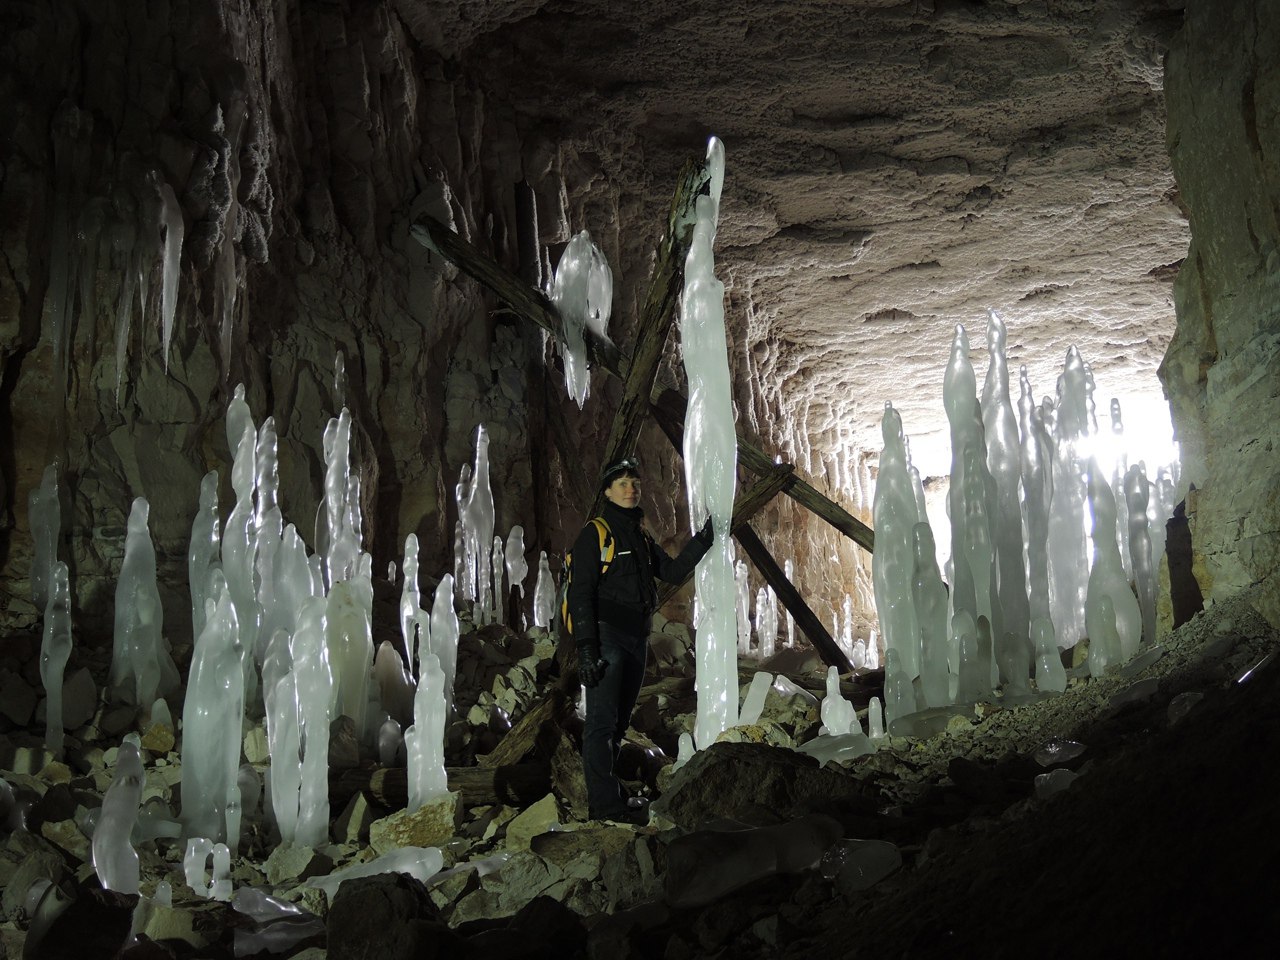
<point>299,140</point>
<point>1222,370</point>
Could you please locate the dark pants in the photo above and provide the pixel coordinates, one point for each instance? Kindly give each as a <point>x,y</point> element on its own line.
<point>609,705</point>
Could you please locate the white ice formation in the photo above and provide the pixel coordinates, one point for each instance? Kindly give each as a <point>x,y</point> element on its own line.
<point>582,291</point>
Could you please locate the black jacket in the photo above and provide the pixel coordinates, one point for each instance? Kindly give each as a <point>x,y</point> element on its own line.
<point>625,597</point>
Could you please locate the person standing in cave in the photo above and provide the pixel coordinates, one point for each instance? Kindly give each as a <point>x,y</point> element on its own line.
<point>610,612</point>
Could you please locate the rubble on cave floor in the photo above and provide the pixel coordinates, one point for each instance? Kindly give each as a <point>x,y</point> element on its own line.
<point>519,857</point>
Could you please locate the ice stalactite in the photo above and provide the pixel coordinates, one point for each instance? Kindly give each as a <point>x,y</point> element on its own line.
<point>582,291</point>
<point>172,261</point>
<point>710,463</point>
<point>123,238</point>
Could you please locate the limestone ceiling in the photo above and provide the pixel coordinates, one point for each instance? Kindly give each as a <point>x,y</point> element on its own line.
<point>893,169</point>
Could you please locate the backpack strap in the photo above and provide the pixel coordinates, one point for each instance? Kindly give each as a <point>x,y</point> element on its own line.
<point>607,544</point>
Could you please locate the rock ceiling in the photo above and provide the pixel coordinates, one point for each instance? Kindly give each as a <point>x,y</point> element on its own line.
<point>893,169</point>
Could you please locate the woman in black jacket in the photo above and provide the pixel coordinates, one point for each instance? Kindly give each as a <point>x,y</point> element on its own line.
<point>611,612</point>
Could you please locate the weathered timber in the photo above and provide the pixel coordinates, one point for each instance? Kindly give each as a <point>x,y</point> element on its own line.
<point>673,403</point>
<point>523,736</point>
<point>746,507</point>
<point>516,785</point>
<point>790,598</point>
<point>656,315</point>
<point>532,305</point>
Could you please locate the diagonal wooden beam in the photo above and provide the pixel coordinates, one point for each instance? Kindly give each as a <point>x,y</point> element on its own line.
<point>534,306</point>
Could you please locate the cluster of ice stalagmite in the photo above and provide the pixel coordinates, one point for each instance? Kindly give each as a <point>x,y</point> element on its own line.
<point>582,291</point>
<point>1021,582</point>
<point>710,461</point>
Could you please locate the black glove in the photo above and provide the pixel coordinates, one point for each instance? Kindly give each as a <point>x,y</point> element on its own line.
<point>706,535</point>
<point>590,666</point>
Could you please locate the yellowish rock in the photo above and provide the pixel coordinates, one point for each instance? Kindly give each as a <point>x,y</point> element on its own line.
<point>432,825</point>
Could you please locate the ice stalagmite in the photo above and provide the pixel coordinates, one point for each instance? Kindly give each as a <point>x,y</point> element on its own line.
<point>342,540</point>
<point>582,291</point>
<point>212,716</point>
<point>239,538</point>
<point>959,398</point>
<point>1068,554</point>
<point>1037,491</point>
<point>410,595</point>
<point>517,565</point>
<point>202,554</point>
<point>445,630</point>
<point>172,256</point>
<point>141,666</point>
<point>497,564</point>
<point>544,594</point>
<point>895,514</point>
<point>1004,510</point>
<point>55,648</point>
<point>837,713</point>
<point>710,464</point>
<point>478,522</point>
<point>742,607</point>
<point>757,694</point>
<point>114,859</point>
<point>424,741</point>
<point>1137,494</point>
<point>349,641</point>
<point>269,531</point>
<point>1118,462</point>
<point>1107,577</point>
<point>44,511</point>
<point>314,683</point>
<point>929,596</point>
<point>789,568</point>
<point>766,623</point>
<point>284,734</point>
<point>463,570</point>
<point>1051,676</point>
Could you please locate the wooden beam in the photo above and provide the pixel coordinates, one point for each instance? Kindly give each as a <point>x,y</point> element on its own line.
<point>656,315</point>
<point>790,598</point>
<point>517,785</point>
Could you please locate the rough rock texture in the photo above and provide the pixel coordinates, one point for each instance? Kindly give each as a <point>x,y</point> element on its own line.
<point>1223,368</point>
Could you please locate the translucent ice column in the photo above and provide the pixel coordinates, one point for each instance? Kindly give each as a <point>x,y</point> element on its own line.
<point>239,538</point>
<point>1037,491</point>
<point>141,666</point>
<point>544,594</point>
<point>349,639</point>
<point>445,630</point>
<point>710,464</point>
<point>959,397</point>
<point>410,595</point>
<point>424,741</point>
<point>212,717</point>
<point>1137,494</point>
<point>517,565</point>
<point>478,522</point>
<point>895,514</point>
<point>1068,556</point>
<point>1107,577</point>
<point>202,554</point>
<point>1004,510</point>
<point>743,607</point>
<point>54,651</point>
<point>45,515</point>
<point>929,596</point>
<point>114,859</point>
<point>172,214</point>
<point>313,678</point>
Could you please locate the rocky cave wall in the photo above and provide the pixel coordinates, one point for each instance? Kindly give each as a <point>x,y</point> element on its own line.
<point>1222,371</point>
<point>299,141</point>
